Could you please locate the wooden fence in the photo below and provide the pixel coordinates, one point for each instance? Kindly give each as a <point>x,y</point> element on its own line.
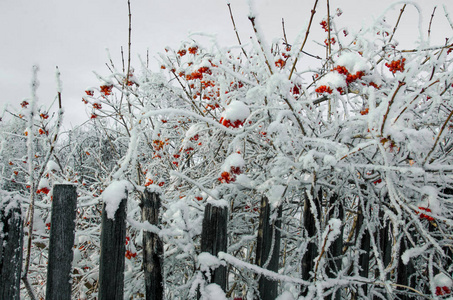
<point>213,240</point>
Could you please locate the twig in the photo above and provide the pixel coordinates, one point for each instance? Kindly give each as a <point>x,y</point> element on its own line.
<point>415,98</point>
<point>431,21</point>
<point>28,288</point>
<point>313,11</point>
<point>329,44</point>
<point>323,249</point>
<point>252,20</point>
<point>397,22</point>
<point>284,32</point>
<point>30,154</point>
<point>400,84</point>
<point>235,30</point>
<point>438,136</point>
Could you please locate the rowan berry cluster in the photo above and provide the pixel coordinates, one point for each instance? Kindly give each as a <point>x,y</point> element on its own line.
<point>234,124</point>
<point>106,89</point>
<point>441,291</point>
<point>396,65</point>
<point>423,216</point>
<point>323,89</point>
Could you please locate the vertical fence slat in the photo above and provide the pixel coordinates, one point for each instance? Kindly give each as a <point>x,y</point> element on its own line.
<point>152,248</point>
<point>405,272</point>
<point>309,224</point>
<point>11,239</point>
<point>335,251</point>
<point>268,237</point>
<point>61,242</point>
<point>113,249</point>
<point>365,239</point>
<point>214,238</point>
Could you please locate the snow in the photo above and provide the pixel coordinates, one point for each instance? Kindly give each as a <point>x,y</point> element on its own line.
<point>430,200</point>
<point>244,181</point>
<point>43,183</point>
<point>113,194</point>
<point>208,261</point>
<point>275,194</point>
<point>285,296</point>
<point>333,80</point>
<point>236,110</point>
<point>213,292</point>
<point>193,130</point>
<point>353,62</point>
<point>413,252</point>
<point>51,167</point>
<point>233,160</point>
<point>443,280</point>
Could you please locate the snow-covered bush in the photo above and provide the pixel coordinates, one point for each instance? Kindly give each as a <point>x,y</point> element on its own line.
<point>360,142</point>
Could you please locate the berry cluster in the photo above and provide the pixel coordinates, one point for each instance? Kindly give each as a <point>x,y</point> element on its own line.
<point>396,65</point>
<point>106,89</point>
<point>323,89</point>
<point>324,25</point>
<point>228,123</point>
<point>423,216</point>
<point>227,177</point>
<point>441,291</point>
<point>129,254</point>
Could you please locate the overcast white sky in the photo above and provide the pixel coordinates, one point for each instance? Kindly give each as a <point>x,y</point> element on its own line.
<point>74,35</point>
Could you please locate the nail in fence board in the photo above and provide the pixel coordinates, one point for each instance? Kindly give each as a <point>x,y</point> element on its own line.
<point>153,248</point>
<point>61,242</point>
<point>11,237</point>
<point>113,248</point>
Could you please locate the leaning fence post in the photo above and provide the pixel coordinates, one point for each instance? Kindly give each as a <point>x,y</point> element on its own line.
<point>152,248</point>
<point>113,249</point>
<point>214,238</point>
<point>11,236</point>
<point>268,240</point>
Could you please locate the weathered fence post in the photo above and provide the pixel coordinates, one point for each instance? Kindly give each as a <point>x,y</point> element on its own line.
<point>113,249</point>
<point>11,239</point>
<point>152,248</point>
<point>363,235</point>
<point>335,251</point>
<point>405,272</point>
<point>268,240</point>
<point>309,224</point>
<point>214,238</point>
<point>61,242</point>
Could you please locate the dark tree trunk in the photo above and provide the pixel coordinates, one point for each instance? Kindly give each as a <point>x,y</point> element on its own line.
<point>268,239</point>
<point>11,239</point>
<point>61,242</point>
<point>113,248</point>
<point>214,238</point>
<point>152,248</point>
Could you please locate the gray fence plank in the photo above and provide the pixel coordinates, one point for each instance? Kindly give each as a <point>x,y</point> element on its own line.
<point>152,248</point>
<point>214,238</point>
<point>268,239</point>
<point>11,239</point>
<point>61,242</point>
<point>113,248</point>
